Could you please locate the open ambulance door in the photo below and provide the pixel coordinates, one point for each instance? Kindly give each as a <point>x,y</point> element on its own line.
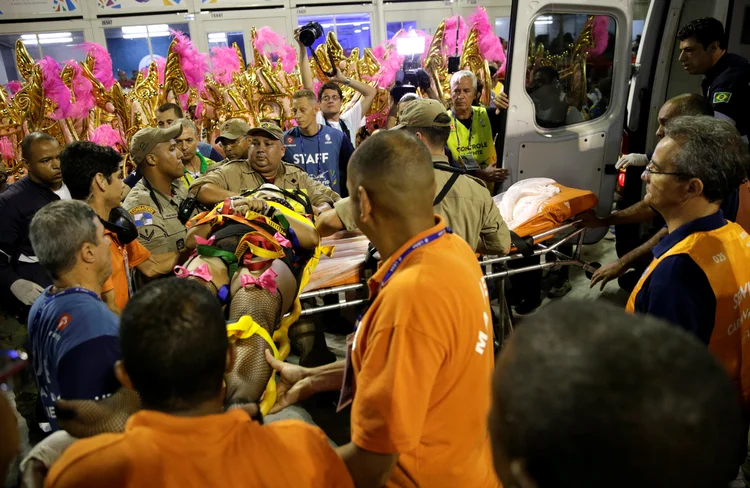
<point>567,80</point>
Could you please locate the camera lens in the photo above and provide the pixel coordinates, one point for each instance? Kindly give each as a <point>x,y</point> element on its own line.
<point>309,33</point>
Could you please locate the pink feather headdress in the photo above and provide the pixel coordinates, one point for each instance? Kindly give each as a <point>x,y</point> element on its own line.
<point>489,44</point>
<point>7,149</point>
<point>449,39</point>
<point>600,32</point>
<point>225,63</point>
<point>13,87</point>
<point>54,88</point>
<point>83,91</point>
<point>106,135</point>
<point>269,42</point>
<point>390,64</point>
<point>102,63</point>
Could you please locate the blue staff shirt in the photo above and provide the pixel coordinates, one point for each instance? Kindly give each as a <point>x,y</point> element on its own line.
<point>323,156</point>
<point>678,290</point>
<point>74,346</point>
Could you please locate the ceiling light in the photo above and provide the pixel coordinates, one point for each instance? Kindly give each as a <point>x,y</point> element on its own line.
<point>357,31</point>
<point>158,28</point>
<point>365,28</point>
<point>29,37</point>
<point>134,29</point>
<point>135,36</point>
<point>61,40</point>
<point>54,35</point>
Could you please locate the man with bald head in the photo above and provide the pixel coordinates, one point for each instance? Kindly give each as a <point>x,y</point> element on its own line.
<point>411,426</point>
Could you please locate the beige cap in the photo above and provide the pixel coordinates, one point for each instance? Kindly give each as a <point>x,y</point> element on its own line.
<point>268,129</point>
<point>233,129</point>
<point>145,140</point>
<point>422,113</point>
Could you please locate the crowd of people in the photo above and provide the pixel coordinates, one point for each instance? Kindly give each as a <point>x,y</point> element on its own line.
<point>156,307</point>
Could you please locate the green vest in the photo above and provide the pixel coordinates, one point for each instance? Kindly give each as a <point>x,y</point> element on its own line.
<point>481,145</point>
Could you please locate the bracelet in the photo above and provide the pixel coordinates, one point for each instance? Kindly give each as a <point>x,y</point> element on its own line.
<point>347,81</point>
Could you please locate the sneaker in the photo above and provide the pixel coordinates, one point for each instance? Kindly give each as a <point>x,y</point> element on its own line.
<point>560,290</point>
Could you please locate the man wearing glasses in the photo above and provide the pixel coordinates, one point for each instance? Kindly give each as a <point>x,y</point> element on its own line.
<point>330,98</point>
<point>233,139</point>
<point>699,277</point>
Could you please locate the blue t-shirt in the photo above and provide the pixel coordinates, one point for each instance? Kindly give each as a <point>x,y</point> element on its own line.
<point>323,156</point>
<point>74,346</point>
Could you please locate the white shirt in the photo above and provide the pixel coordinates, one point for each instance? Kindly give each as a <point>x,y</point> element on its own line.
<point>352,118</point>
<point>63,193</point>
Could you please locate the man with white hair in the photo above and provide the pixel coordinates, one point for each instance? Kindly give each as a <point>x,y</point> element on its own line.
<point>473,129</point>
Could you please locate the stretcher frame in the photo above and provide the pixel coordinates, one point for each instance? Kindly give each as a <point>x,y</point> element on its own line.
<point>574,236</point>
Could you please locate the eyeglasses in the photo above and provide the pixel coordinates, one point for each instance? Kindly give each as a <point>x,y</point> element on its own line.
<point>334,98</point>
<point>651,169</point>
<point>227,143</point>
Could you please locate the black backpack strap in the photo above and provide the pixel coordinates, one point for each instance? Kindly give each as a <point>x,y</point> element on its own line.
<point>446,188</point>
<point>524,245</point>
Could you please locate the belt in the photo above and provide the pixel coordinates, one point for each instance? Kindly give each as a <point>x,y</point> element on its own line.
<point>28,259</point>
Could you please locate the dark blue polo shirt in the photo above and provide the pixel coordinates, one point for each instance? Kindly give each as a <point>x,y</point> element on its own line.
<point>678,289</point>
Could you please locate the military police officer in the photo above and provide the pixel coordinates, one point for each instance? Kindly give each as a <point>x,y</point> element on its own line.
<point>233,140</point>
<point>726,77</point>
<point>155,200</point>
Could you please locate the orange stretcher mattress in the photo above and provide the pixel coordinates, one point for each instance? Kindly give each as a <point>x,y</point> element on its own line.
<point>552,213</point>
<point>350,248</point>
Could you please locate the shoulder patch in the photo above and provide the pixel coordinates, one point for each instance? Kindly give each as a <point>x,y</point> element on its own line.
<point>143,219</point>
<point>721,97</point>
<point>142,209</point>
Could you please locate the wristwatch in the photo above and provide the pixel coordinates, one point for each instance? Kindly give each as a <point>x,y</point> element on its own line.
<point>347,81</point>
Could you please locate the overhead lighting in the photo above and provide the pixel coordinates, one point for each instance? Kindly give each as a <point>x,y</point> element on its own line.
<point>28,37</point>
<point>357,31</point>
<point>61,40</point>
<point>217,37</point>
<point>365,28</point>
<point>54,35</point>
<point>152,29</point>
<point>542,22</point>
<point>135,36</point>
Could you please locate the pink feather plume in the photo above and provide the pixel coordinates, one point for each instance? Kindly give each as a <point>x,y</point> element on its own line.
<point>600,33</point>
<point>194,63</point>
<point>390,64</point>
<point>449,39</point>
<point>225,63</point>
<point>13,87</point>
<point>269,42</point>
<point>102,63</point>
<point>489,44</point>
<point>83,92</point>
<point>106,135</point>
<point>7,149</point>
<point>54,88</point>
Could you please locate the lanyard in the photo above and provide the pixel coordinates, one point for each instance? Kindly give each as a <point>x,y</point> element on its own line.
<point>302,142</point>
<point>471,128</point>
<point>422,242</point>
<point>69,291</point>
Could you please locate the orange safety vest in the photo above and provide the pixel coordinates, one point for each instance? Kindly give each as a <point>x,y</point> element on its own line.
<point>724,255</point>
<point>743,212</point>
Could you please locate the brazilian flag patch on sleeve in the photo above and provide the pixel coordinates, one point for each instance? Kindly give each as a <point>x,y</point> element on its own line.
<point>721,97</point>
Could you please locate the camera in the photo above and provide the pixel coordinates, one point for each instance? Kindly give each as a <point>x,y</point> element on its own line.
<point>309,33</point>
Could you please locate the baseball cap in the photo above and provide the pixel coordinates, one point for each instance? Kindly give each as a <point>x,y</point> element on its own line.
<point>422,113</point>
<point>268,129</point>
<point>145,140</point>
<point>233,129</point>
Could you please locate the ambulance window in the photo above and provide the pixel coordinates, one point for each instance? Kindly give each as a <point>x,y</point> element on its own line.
<point>569,71</point>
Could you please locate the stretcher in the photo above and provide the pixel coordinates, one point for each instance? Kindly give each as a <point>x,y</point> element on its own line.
<point>343,274</point>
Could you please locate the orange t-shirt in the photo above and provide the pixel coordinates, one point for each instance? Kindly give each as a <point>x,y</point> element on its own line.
<point>226,449</point>
<point>137,254</point>
<point>423,360</point>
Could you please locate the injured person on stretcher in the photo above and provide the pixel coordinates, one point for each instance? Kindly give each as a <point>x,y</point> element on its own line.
<point>255,252</point>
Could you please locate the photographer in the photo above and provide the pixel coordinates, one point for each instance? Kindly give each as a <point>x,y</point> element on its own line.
<point>330,97</point>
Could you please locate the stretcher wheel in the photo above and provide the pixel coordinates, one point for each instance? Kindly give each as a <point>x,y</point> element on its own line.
<point>591,268</point>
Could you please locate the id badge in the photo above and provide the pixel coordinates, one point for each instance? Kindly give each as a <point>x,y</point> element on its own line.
<point>348,387</point>
<point>469,162</point>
